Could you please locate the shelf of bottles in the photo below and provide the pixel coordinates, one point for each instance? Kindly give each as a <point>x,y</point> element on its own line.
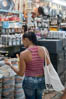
<point>10,28</point>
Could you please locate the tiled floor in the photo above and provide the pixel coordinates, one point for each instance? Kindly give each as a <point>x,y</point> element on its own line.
<point>49,95</point>
<point>53,95</point>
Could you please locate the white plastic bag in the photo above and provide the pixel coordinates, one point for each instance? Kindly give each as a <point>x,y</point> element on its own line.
<point>51,76</point>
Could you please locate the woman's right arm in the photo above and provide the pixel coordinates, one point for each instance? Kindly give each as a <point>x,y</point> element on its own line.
<point>22,65</point>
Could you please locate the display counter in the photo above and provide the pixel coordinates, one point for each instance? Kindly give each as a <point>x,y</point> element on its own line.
<point>53,45</point>
<point>55,48</point>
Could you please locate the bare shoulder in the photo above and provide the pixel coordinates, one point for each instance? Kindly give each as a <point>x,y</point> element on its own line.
<point>24,53</point>
<point>41,49</point>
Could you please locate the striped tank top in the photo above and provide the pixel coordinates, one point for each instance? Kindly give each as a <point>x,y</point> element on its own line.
<point>34,67</point>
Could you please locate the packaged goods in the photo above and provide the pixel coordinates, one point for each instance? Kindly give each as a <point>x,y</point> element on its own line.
<point>19,93</point>
<point>8,87</point>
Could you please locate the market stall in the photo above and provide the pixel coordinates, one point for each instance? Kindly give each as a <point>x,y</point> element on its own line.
<point>19,16</point>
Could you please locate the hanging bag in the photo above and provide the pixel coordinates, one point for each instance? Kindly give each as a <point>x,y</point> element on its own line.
<point>51,76</point>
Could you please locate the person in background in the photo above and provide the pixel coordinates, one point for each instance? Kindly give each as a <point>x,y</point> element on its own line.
<point>25,28</point>
<point>31,62</point>
<point>37,12</point>
<point>40,24</point>
<point>37,16</point>
<point>40,11</point>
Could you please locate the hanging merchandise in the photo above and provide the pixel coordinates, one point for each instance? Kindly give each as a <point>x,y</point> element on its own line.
<point>46,10</point>
<point>53,13</point>
<point>6,4</point>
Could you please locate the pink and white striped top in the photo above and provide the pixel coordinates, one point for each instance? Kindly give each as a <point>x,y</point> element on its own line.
<point>35,67</point>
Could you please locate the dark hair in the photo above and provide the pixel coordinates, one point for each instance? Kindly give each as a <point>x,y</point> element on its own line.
<point>25,27</point>
<point>41,11</point>
<point>31,36</point>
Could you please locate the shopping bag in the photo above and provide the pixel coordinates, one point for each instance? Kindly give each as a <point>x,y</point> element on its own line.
<point>51,76</point>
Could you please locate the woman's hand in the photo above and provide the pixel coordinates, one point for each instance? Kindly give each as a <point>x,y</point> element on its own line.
<point>18,57</point>
<point>16,70</point>
<point>8,62</point>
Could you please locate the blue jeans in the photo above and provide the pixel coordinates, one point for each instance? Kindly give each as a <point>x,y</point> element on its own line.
<point>33,87</point>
